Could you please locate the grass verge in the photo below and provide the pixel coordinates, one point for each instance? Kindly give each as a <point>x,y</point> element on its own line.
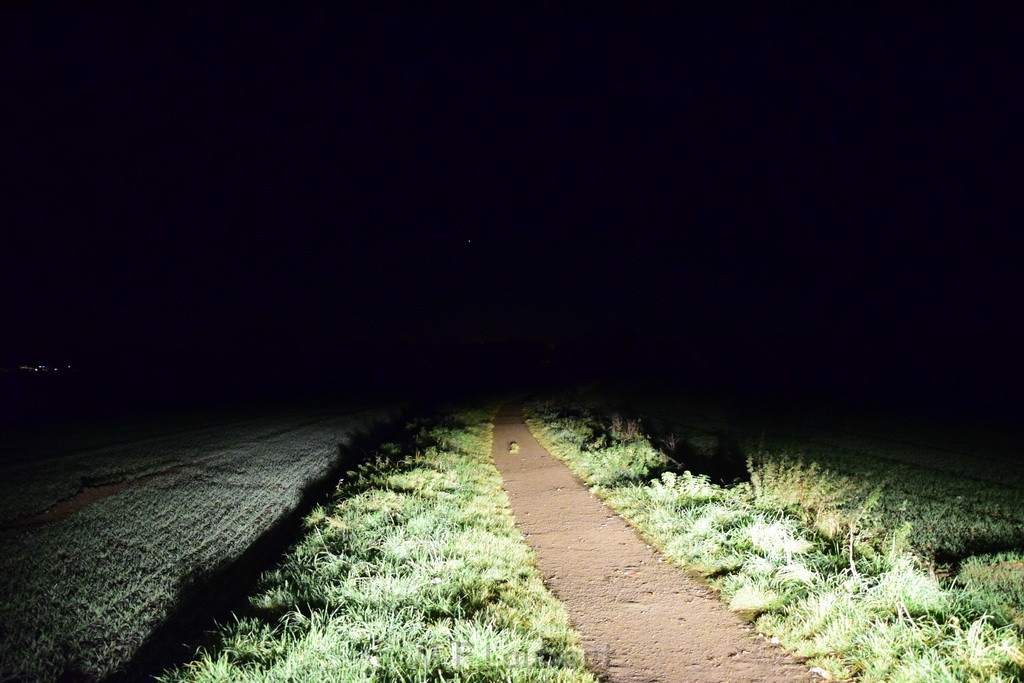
<point>414,572</point>
<point>798,551</point>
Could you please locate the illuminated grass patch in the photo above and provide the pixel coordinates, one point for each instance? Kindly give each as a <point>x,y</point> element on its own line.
<point>414,572</point>
<point>81,595</point>
<point>806,553</point>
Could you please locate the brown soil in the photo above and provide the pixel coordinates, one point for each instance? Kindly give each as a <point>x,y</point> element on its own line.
<point>65,508</point>
<point>641,619</point>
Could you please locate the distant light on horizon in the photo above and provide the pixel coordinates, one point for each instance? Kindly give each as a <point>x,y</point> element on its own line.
<point>37,368</point>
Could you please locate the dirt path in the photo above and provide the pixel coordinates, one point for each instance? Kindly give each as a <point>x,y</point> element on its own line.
<point>641,619</point>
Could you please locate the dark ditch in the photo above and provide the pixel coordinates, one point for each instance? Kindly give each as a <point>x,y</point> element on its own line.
<point>216,597</point>
<point>716,455</point>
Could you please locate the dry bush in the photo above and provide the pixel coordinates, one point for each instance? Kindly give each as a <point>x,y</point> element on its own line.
<point>824,500</point>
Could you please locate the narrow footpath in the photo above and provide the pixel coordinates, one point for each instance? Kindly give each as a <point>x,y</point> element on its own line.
<point>641,619</point>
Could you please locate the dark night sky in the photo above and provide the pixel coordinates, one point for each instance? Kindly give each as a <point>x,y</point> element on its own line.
<point>286,180</point>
